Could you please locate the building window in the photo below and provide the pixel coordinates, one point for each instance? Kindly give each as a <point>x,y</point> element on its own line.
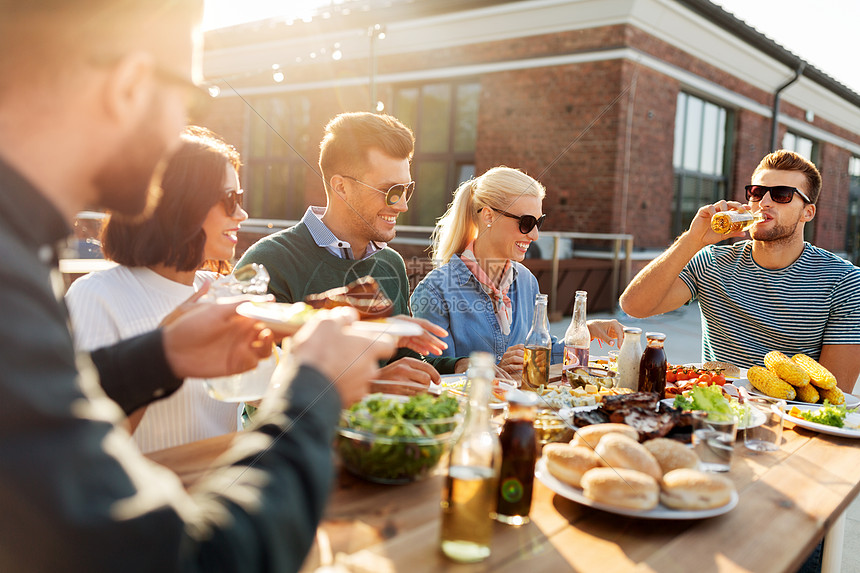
<point>800,145</point>
<point>275,173</point>
<point>444,118</point>
<point>809,149</point>
<point>699,158</point>
<point>852,234</point>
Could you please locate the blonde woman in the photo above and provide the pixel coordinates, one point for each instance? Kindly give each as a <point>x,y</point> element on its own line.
<point>480,292</point>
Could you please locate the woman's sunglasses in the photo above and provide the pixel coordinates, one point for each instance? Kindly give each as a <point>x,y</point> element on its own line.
<point>232,199</point>
<point>394,193</point>
<point>527,222</point>
<point>779,193</point>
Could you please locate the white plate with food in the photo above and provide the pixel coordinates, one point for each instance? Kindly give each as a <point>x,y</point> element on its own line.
<point>758,417</point>
<point>727,369</point>
<point>286,318</point>
<point>851,401</point>
<point>659,512</point>
<point>844,432</point>
<point>456,384</point>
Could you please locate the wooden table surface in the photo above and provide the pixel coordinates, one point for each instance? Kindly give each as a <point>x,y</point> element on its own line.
<point>788,500</point>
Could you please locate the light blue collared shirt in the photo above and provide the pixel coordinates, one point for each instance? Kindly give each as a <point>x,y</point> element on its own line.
<point>324,237</point>
<point>452,297</point>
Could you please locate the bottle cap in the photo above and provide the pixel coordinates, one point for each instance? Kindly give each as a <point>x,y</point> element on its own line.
<point>581,293</point>
<point>632,330</point>
<point>655,336</point>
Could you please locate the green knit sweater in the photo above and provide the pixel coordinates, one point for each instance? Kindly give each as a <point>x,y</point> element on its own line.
<point>298,267</point>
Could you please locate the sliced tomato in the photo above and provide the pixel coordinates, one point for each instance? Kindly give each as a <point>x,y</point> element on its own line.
<point>670,376</point>
<point>718,379</point>
<point>704,379</point>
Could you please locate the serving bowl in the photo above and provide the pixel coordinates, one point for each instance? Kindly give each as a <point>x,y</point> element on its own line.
<point>389,438</point>
<point>600,377</point>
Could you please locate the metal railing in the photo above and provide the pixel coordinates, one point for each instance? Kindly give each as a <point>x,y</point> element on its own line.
<point>621,249</point>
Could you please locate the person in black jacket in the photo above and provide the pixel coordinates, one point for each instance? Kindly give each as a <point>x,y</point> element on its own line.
<point>93,95</point>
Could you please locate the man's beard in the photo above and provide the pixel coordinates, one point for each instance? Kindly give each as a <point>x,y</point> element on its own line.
<point>130,182</point>
<point>778,233</point>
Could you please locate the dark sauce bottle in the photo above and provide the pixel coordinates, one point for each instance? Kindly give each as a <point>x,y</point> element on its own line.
<point>652,366</point>
<point>519,454</point>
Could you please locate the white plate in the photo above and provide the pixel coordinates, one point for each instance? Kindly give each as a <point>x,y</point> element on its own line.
<point>281,317</point>
<point>659,512</point>
<point>287,318</point>
<point>823,428</point>
<point>851,401</point>
<point>758,417</point>
<point>457,383</point>
<point>392,326</point>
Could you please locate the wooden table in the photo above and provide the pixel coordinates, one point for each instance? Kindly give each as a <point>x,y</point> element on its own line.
<point>788,500</point>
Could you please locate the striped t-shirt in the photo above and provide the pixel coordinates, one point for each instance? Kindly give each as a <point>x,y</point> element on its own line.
<point>748,310</point>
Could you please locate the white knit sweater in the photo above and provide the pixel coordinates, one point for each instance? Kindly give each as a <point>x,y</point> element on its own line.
<point>122,302</point>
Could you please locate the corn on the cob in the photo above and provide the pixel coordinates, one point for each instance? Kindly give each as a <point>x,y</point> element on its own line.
<point>782,366</point>
<point>769,383</point>
<point>807,393</point>
<point>835,396</point>
<point>818,374</point>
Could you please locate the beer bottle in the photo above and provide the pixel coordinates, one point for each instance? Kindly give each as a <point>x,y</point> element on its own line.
<point>469,496</point>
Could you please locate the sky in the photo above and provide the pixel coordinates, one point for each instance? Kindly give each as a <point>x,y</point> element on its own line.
<point>820,31</point>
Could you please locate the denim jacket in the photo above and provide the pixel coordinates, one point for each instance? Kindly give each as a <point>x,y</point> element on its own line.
<point>452,297</point>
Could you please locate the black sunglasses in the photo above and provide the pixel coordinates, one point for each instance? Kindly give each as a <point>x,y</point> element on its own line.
<point>527,222</point>
<point>394,193</point>
<point>232,199</point>
<point>779,193</point>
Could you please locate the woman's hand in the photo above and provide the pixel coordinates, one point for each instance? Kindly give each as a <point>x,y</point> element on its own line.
<point>512,361</point>
<point>608,331</point>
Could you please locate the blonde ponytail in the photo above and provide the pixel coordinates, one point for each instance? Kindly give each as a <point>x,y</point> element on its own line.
<point>497,188</point>
<point>457,226</point>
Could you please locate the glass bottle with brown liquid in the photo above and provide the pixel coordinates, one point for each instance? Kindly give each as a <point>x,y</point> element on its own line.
<point>652,366</point>
<point>536,355</point>
<point>519,454</point>
<point>726,222</point>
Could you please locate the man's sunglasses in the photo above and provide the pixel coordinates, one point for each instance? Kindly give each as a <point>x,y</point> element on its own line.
<point>779,193</point>
<point>232,199</point>
<point>394,193</point>
<point>527,222</point>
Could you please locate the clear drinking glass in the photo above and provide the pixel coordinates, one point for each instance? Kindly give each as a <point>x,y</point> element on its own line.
<point>762,425</point>
<point>714,441</point>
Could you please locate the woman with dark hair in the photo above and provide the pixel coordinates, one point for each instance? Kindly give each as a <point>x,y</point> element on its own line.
<point>163,260</point>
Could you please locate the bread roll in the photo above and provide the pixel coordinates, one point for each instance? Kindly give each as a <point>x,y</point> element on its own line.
<point>727,368</point>
<point>568,463</point>
<point>619,451</point>
<point>621,488</point>
<point>590,435</point>
<point>671,454</point>
<point>695,490</point>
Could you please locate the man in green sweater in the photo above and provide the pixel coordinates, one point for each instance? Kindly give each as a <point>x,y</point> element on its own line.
<point>364,160</point>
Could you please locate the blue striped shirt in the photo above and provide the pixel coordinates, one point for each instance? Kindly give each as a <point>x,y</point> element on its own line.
<point>748,310</point>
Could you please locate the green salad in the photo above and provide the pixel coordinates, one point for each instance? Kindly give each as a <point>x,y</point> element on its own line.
<point>394,440</point>
<point>829,414</point>
<point>711,400</point>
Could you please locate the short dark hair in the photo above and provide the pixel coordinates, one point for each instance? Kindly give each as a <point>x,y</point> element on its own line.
<point>349,136</point>
<point>192,183</point>
<point>784,160</point>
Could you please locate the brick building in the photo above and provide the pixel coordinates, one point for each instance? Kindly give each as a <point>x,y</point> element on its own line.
<point>633,113</point>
